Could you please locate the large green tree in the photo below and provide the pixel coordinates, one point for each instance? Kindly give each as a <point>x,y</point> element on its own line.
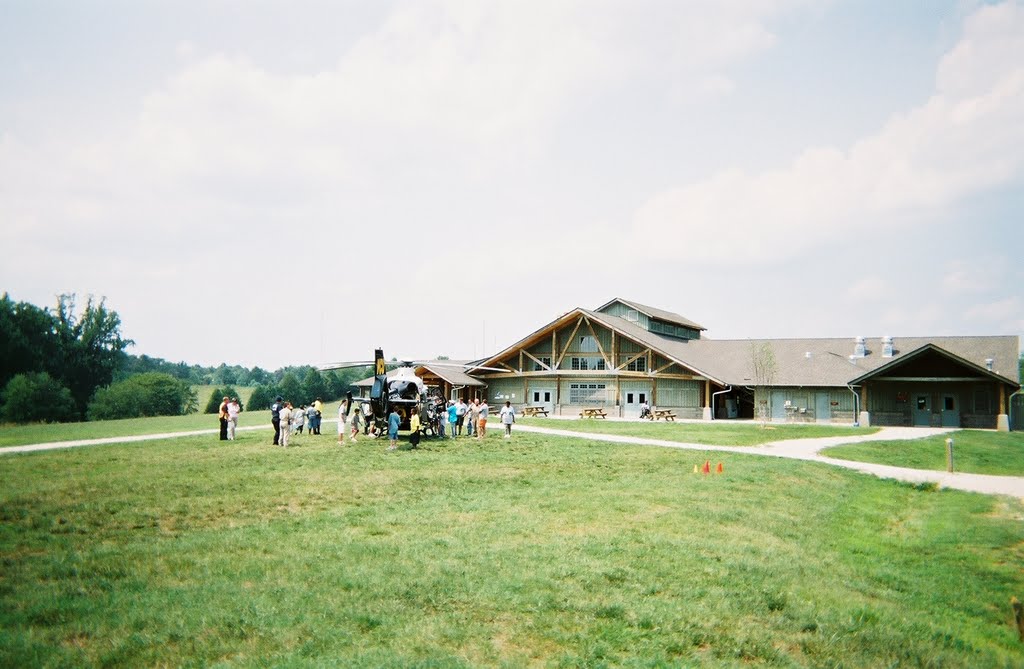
<point>27,339</point>
<point>89,347</point>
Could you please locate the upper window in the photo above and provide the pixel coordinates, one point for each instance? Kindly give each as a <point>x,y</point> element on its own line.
<point>587,363</point>
<point>638,365</point>
<point>588,344</point>
<point>540,366</point>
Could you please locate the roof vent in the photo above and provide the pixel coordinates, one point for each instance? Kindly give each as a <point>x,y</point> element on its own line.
<point>887,347</point>
<point>807,354</point>
<point>988,363</point>
<point>859,350</point>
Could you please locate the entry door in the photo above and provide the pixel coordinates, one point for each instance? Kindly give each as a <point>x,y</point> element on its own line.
<point>823,408</point>
<point>544,397</point>
<point>950,411</point>
<point>922,409</point>
<point>631,401</point>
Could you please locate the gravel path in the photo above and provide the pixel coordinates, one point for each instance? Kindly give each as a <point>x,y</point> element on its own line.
<point>808,449</point>
<point>796,449</point>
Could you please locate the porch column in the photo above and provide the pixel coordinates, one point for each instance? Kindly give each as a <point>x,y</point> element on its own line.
<point>865,416</point>
<point>1003,419</point>
<point>707,399</point>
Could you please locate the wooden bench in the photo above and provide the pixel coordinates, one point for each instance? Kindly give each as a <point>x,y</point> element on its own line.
<point>593,413</point>
<point>667,414</point>
<point>535,411</point>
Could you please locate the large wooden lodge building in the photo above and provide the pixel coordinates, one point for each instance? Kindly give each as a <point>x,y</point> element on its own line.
<point>624,353</point>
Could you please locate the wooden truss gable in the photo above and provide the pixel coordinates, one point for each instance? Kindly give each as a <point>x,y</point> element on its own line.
<point>544,352</point>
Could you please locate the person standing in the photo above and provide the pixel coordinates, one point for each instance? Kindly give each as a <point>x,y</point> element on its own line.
<point>355,415</point>
<point>234,408</point>
<point>414,429</point>
<point>394,420</point>
<point>453,417</point>
<point>275,418</point>
<point>508,416</point>
<point>222,413</point>
<point>318,407</point>
<point>299,419</point>
<point>441,416</point>
<point>311,418</point>
<point>481,426</point>
<point>342,420</point>
<point>472,416</point>
<point>286,420</point>
<point>460,411</point>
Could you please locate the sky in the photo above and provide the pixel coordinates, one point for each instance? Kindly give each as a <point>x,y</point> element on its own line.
<point>272,184</point>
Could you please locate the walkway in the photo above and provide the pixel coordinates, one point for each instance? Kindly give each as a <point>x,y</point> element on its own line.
<point>808,449</point>
<point>796,449</point>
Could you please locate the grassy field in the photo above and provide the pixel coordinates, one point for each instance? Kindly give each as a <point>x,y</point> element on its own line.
<point>537,551</point>
<point>717,433</point>
<point>974,451</point>
<point>722,433</point>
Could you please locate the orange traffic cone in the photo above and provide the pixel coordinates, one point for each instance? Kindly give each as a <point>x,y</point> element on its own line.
<point>719,470</point>
<point>707,466</point>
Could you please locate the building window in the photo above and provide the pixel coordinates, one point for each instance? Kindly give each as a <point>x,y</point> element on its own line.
<point>638,365</point>
<point>588,344</point>
<point>632,315</point>
<point>540,366</point>
<point>587,393</point>
<point>583,364</point>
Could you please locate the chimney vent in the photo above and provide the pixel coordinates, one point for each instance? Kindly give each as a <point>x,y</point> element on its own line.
<point>887,347</point>
<point>988,363</point>
<point>859,350</point>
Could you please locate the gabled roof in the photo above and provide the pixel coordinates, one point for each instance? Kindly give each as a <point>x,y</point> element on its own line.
<point>652,312</point>
<point>453,375</point>
<point>902,360</point>
<point>798,362</point>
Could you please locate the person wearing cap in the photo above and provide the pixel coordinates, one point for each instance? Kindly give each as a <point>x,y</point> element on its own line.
<point>223,415</point>
<point>275,418</point>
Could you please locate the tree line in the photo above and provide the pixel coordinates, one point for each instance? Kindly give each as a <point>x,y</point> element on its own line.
<point>69,364</point>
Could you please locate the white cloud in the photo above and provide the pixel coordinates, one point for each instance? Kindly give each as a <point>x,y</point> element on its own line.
<point>966,138</point>
<point>868,289</point>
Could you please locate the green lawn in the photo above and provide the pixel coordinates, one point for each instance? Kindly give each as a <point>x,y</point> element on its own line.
<point>717,433</point>
<point>537,551</point>
<point>720,433</point>
<point>974,451</point>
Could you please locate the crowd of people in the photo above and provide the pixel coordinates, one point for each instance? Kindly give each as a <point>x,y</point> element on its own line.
<point>445,420</point>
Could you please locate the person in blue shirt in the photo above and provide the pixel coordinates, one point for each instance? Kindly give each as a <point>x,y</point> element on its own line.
<point>453,417</point>
<point>393,422</point>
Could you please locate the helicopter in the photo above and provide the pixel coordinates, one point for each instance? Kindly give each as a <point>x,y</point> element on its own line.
<point>402,390</point>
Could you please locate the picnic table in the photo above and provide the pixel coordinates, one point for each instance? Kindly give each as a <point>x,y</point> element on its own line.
<point>593,413</point>
<point>535,411</point>
<point>667,414</point>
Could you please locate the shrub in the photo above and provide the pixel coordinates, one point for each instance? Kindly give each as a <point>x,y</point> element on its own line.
<point>218,395</point>
<point>37,397</point>
<point>150,394</point>
<point>262,396</point>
